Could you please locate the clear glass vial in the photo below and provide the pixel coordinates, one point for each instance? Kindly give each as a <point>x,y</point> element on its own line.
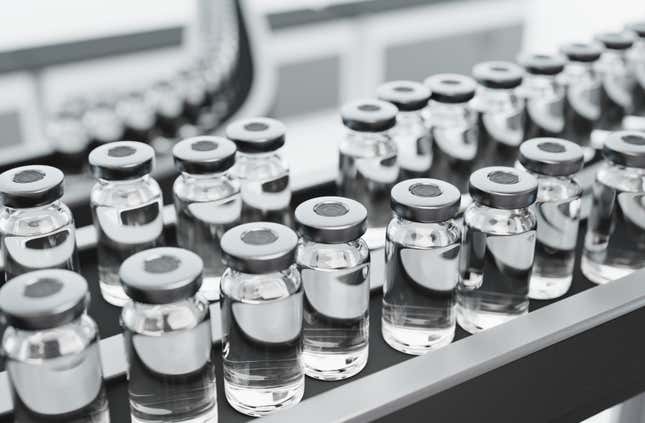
<point>261,169</point>
<point>167,335</point>
<point>368,163</point>
<point>138,117</point>
<point>500,112</point>
<point>421,266</point>
<point>334,263</point>
<point>207,202</point>
<point>70,140</point>
<point>543,95</point>
<point>51,349</point>
<point>453,126</point>
<point>618,81</point>
<point>410,133</point>
<point>102,124</point>
<point>36,227</point>
<point>636,60</point>
<point>126,207</point>
<point>498,248</point>
<point>554,162</point>
<point>261,307</point>
<point>583,88</point>
<point>615,239</point>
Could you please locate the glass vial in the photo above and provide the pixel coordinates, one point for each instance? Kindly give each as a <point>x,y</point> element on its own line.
<point>500,112</point>
<point>410,134</point>
<point>498,248</point>
<point>618,81</point>
<point>51,349</point>
<point>453,126</point>
<point>207,202</point>
<point>554,162</point>
<point>261,169</point>
<point>167,335</point>
<point>70,141</point>
<point>334,263</point>
<point>368,164</point>
<point>126,208</point>
<point>636,59</point>
<point>422,266</point>
<point>615,239</point>
<point>102,124</point>
<point>583,88</point>
<point>138,117</point>
<point>36,227</point>
<point>261,304</point>
<point>543,95</point>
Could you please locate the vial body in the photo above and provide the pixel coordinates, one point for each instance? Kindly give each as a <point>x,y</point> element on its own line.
<point>558,215</point>
<point>419,294</point>
<point>617,94</point>
<point>335,279</point>
<point>171,375</point>
<point>414,145</point>
<point>56,373</point>
<point>38,238</point>
<point>265,187</point>
<point>262,340</point>
<point>544,99</point>
<point>368,168</point>
<point>582,103</point>
<point>127,216</point>
<point>637,64</point>
<point>497,256</point>
<point>206,206</point>
<point>615,238</point>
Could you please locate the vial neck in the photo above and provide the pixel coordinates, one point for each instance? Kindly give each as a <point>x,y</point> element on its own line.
<point>140,179</point>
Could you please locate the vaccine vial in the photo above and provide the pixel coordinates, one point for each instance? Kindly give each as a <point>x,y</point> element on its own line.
<point>70,140</point>
<point>498,248</point>
<point>410,133</point>
<point>618,81</point>
<point>261,169</point>
<point>500,111</point>
<point>554,162</point>
<point>615,239</point>
<point>421,266</point>
<point>51,349</point>
<point>368,163</point>
<point>543,95</point>
<point>262,313</point>
<point>583,93</point>
<point>138,117</point>
<point>36,227</point>
<point>167,335</point>
<point>167,101</point>
<point>126,208</point>
<point>334,263</point>
<point>453,126</point>
<point>102,124</point>
<point>636,59</point>
<point>207,201</point>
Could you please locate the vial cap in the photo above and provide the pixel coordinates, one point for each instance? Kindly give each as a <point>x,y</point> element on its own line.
<point>161,275</point>
<point>204,155</point>
<point>498,75</point>
<point>259,247</point>
<point>551,156</point>
<point>369,115</point>
<point>122,160</point>
<point>582,52</point>
<point>425,200</point>
<point>407,96</point>
<point>626,148</point>
<point>450,88</point>
<point>542,64</point>
<point>30,186</point>
<point>616,40</point>
<point>257,135</point>
<point>331,220</point>
<point>503,187</point>
<point>637,28</point>
<point>44,299</point>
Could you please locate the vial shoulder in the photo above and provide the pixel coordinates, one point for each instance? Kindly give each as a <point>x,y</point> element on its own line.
<point>37,220</point>
<point>368,145</point>
<point>259,167</point>
<point>500,221</point>
<point>620,178</point>
<point>188,189</point>
<point>125,193</point>
<point>423,235</point>
<point>558,189</point>
<point>260,288</point>
<point>332,256</point>
<point>157,319</point>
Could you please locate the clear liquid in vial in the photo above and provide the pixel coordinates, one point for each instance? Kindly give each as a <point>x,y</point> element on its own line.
<point>267,200</point>
<point>122,233</point>
<point>544,116</point>
<point>200,226</point>
<point>495,278</point>
<point>555,248</point>
<point>500,133</point>
<point>172,377</point>
<point>455,151</point>
<point>262,353</point>
<point>419,297</point>
<point>336,321</point>
<point>616,99</point>
<point>615,240</point>
<point>581,112</point>
<point>56,250</point>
